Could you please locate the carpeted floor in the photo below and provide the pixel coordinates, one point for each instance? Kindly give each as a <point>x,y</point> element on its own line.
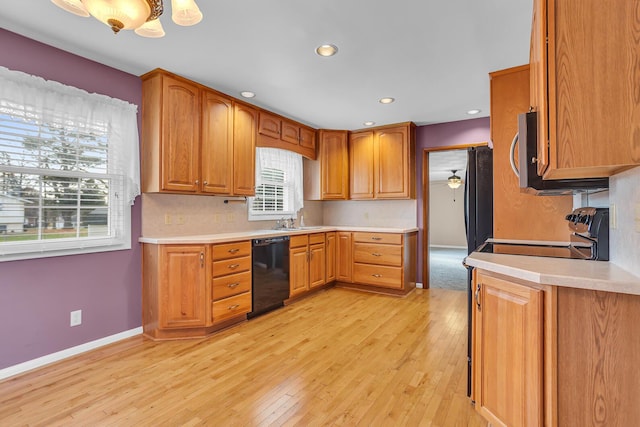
<point>446,269</point>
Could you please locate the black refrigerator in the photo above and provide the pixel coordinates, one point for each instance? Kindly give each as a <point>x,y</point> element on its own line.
<point>478,218</point>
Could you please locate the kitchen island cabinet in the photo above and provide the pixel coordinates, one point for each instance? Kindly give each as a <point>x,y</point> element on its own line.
<point>584,87</point>
<point>582,364</point>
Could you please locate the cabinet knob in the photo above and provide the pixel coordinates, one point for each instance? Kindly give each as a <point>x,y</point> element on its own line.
<point>534,160</point>
<point>233,251</point>
<point>234,306</point>
<point>377,275</point>
<point>233,266</point>
<point>376,238</point>
<point>205,182</point>
<point>376,254</point>
<point>233,285</point>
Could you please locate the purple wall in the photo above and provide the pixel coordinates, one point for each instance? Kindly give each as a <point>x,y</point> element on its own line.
<point>443,135</point>
<point>36,296</point>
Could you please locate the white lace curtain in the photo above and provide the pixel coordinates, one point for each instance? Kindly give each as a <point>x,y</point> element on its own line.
<point>287,161</point>
<point>50,102</point>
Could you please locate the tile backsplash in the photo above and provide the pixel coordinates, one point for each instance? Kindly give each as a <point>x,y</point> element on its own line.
<point>624,193</point>
<point>371,213</point>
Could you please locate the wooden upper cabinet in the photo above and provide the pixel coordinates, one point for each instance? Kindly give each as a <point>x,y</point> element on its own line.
<point>278,132</point>
<point>544,215</point>
<point>382,163</point>
<point>245,122</point>
<point>217,143</point>
<point>334,165</point>
<point>180,136</point>
<point>592,105</point>
<point>361,165</point>
<point>194,139</point>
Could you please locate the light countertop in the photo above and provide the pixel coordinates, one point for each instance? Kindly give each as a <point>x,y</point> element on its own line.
<point>260,234</point>
<point>573,273</point>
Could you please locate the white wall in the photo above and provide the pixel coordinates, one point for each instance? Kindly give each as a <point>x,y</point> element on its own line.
<point>624,193</point>
<point>446,216</point>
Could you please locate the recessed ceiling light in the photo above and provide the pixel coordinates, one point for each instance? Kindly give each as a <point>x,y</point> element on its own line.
<point>472,112</point>
<point>247,94</point>
<point>388,100</point>
<point>369,123</point>
<point>327,50</point>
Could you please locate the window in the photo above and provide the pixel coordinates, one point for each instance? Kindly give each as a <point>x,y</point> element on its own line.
<point>278,185</point>
<point>68,169</point>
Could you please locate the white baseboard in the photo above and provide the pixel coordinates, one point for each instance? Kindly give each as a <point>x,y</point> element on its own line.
<point>419,285</point>
<point>69,352</point>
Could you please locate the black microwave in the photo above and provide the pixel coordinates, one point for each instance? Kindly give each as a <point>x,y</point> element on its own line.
<point>530,181</point>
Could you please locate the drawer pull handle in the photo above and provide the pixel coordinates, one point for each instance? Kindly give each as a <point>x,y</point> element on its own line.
<point>234,306</point>
<point>234,250</point>
<point>377,275</point>
<point>376,238</point>
<point>233,266</point>
<point>376,254</point>
<point>233,285</point>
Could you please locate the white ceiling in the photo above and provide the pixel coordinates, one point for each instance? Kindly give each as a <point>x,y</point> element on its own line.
<point>433,57</point>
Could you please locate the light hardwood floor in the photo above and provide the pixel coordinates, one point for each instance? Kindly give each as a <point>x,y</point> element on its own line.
<point>339,357</point>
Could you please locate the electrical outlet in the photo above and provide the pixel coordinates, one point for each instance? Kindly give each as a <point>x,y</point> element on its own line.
<point>217,218</point>
<point>637,217</point>
<point>76,318</point>
<point>230,217</point>
<point>180,219</point>
<point>167,219</point>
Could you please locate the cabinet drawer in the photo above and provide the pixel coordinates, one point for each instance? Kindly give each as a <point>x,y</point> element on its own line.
<point>372,253</point>
<point>231,250</point>
<point>232,284</point>
<point>230,266</point>
<point>316,238</point>
<point>231,307</point>
<point>296,241</point>
<point>378,275</point>
<point>389,238</point>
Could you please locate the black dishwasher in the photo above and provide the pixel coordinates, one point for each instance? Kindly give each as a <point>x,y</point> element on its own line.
<point>270,274</point>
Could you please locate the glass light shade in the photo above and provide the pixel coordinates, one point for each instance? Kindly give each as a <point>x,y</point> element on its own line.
<point>119,14</point>
<point>185,12</point>
<point>152,29</point>
<point>454,182</point>
<point>74,6</point>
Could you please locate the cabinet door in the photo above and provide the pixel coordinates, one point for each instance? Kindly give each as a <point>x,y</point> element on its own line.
<point>308,142</point>
<point>299,270</point>
<point>544,215</point>
<point>269,125</point>
<point>361,165</point>
<point>538,81</point>
<point>245,120</point>
<point>180,136</point>
<point>344,257</point>
<point>391,167</point>
<point>183,286</point>
<point>334,164</point>
<point>289,132</point>
<point>508,353</point>
<point>331,257</point>
<point>317,265</point>
<point>217,144</point>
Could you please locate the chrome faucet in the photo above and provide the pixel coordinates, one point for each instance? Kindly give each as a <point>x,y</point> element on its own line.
<point>285,223</point>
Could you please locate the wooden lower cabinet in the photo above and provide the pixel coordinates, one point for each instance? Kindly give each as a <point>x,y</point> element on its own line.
<point>307,258</point>
<point>191,291</point>
<point>330,260</point>
<point>508,352</point>
<point>384,260</point>
<point>344,257</point>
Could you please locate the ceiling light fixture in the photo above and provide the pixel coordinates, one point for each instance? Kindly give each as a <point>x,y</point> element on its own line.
<point>454,181</point>
<point>369,123</point>
<point>387,100</point>
<point>327,50</point>
<point>247,94</point>
<point>473,112</point>
<point>139,15</point>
